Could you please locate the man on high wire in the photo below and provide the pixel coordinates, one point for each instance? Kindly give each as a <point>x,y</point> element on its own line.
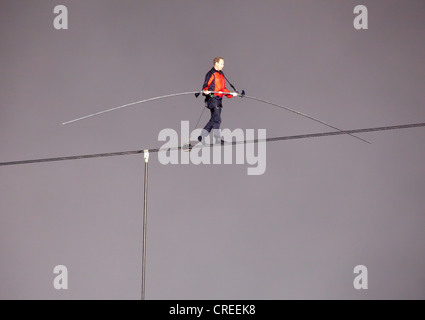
<point>215,82</point>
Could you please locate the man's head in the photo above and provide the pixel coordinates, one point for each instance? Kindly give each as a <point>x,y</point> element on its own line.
<point>218,63</point>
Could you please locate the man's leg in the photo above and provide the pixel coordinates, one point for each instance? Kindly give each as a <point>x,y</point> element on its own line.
<point>216,124</point>
<point>212,123</point>
<point>209,126</point>
<point>207,129</point>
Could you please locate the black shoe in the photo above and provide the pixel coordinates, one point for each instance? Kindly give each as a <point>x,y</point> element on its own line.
<point>201,140</point>
<point>219,141</point>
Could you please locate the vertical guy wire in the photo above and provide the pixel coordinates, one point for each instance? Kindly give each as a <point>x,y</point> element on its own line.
<point>145,219</point>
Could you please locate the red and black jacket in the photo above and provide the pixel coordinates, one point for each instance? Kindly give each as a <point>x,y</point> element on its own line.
<point>215,81</point>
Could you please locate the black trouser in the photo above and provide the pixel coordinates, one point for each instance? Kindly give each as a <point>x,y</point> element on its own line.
<point>214,104</point>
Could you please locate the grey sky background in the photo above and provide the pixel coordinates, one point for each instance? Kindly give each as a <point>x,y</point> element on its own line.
<point>323,205</point>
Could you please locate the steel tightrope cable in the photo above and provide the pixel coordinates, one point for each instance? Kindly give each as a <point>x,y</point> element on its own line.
<point>156,150</point>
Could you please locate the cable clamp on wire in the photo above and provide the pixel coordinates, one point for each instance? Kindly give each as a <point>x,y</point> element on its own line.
<point>146,153</point>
